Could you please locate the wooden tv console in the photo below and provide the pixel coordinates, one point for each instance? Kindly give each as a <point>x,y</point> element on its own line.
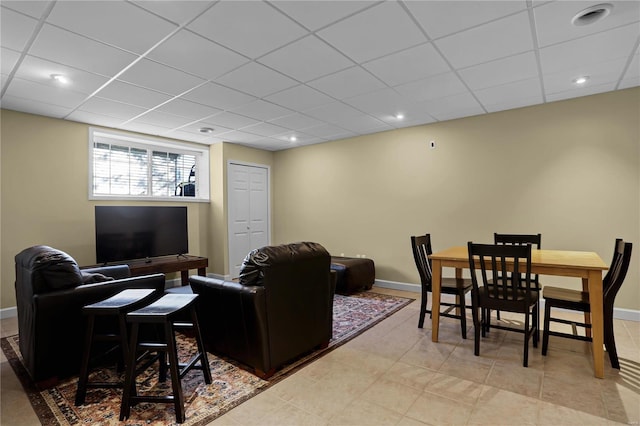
<point>167,264</point>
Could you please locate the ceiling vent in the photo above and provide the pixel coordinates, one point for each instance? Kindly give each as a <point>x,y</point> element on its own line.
<point>592,14</point>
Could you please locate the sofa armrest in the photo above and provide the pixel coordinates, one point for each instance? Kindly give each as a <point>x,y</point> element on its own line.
<point>114,271</point>
<point>90,293</point>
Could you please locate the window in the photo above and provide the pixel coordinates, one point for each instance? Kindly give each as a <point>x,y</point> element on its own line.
<point>127,167</point>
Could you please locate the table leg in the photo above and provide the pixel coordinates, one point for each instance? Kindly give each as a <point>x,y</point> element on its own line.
<point>597,321</point>
<point>458,276</point>
<point>436,279</point>
<point>587,315</point>
<point>202,272</point>
<point>184,275</point>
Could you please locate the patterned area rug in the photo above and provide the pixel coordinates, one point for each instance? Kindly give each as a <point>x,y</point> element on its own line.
<point>231,384</point>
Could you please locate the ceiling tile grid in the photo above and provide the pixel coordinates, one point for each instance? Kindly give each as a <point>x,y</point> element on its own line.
<point>279,74</point>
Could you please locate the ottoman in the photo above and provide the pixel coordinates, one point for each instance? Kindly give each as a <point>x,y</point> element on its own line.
<point>353,274</point>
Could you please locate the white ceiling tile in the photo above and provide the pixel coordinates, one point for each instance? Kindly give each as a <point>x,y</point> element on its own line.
<point>70,49</point>
<point>553,20</point>
<point>247,27</point>
<point>152,75</point>
<point>633,71</point>
<point>217,96</point>
<point>364,124</point>
<point>488,42</point>
<point>329,131</point>
<point>238,136</point>
<point>452,107</point>
<point>136,30</point>
<point>33,8</point>
<point>629,82</point>
<point>15,29</point>
<point>375,32</point>
<point>334,112</point>
<point>296,121</point>
<point>133,95</point>
<point>299,98</point>
<point>197,55</point>
<point>494,73</point>
<point>34,107</point>
<point>440,18</point>
<point>179,12</point>
<point>164,119</point>
<point>577,92</point>
<point>256,80</point>
<point>596,48</point>
<point>434,87</point>
<point>306,59</point>
<point>8,60</point>
<point>512,93</point>
<point>408,65</point>
<point>110,108</point>
<point>44,93</point>
<point>347,83</point>
<point>383,104</point>
<point>264,129</point>
<point>506,104</point>
<point>261,110</point>
<point>40,71</point>
<point>188,109</point>
<point>3,81</point>
<point>91,118</point>
<point>231,120</point>
<point>145,128</point>
<point>316,14</point>
<point>598,73</point>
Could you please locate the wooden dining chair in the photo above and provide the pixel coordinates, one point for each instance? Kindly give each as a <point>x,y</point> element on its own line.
<point>515,292</point>
<point>520,239</point>
<point>421,246</point>
<point>556,297</point>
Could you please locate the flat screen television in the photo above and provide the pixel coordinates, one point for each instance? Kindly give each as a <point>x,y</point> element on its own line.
<point>138,232</point>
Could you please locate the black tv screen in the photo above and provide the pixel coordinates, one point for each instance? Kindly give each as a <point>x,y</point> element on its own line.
<point>135,232</point>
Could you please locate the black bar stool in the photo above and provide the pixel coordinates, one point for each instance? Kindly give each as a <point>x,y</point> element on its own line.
<point>117,307</point>
<point>169,312</point>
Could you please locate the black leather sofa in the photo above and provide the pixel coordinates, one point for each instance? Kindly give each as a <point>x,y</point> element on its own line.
<point>51,291</point>
<point>281,308</point>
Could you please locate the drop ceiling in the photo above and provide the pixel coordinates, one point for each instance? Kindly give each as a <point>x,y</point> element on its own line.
<point>261,72</point>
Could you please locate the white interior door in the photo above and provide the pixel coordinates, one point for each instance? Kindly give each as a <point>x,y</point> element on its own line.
<point>248,211</point>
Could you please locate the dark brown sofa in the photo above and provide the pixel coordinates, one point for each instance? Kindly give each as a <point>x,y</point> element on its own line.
<point>50,293</point>
<point>281,308</point>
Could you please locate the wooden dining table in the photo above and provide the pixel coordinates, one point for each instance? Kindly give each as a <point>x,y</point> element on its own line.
<point>581,264</point>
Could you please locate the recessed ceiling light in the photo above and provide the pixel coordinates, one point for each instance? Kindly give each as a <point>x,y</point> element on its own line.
<point>400,116</point>
<point>206,129</point>
<point>293,138</point>
<point>581,80</point>
<point>592,14</point>
<point>59,78</point>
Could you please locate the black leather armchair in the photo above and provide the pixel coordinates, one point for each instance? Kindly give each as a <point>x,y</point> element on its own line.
<point>50,293</point>
<point>281,308</point>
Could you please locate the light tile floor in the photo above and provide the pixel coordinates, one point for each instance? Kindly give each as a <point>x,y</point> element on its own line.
<point>394,375</point>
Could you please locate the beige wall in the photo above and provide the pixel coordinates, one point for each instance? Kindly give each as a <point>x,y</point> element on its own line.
<point>578,162</point>
<point>44,175</point>
<point>569,170</point>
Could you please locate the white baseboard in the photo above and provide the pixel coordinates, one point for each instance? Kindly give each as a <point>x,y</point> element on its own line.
<point>618,313</point>
<point>8,312</point>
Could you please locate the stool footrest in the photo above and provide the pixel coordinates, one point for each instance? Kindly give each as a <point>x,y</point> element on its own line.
<point>151,398</point>
<point>152,346</point>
